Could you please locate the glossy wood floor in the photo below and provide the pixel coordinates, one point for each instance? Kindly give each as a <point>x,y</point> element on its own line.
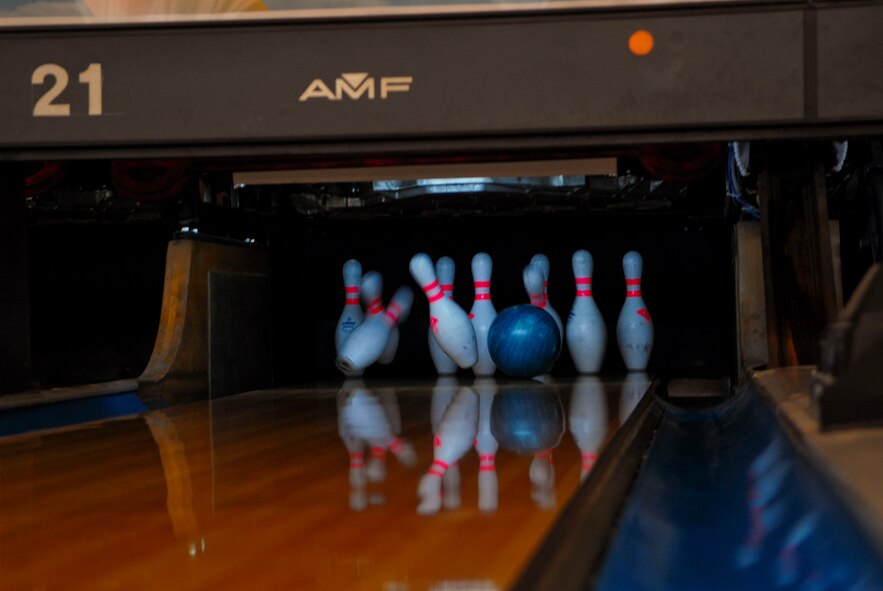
<point>253,492</point>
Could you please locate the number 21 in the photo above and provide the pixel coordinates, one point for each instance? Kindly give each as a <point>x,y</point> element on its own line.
<point>46,105</point>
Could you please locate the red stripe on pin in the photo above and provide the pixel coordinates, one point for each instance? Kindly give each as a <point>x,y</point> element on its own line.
<point>633,294</point>
<point>431,286</point>
<point>583,293</point>
<point>583,280</point>
<point>436,297</point>
<point>482,296</point>
<point>447,287</point>
<point>354,289</point>
<point>482,284</point>
<point>352,301</point>
<point>632,281</point>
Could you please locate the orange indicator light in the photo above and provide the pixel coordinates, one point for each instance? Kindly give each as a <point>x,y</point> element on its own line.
<point>641,42</point>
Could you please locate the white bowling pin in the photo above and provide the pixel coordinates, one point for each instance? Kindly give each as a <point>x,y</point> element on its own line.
<point>483,312</point>
<point>352,315</point>
<point>588,419</point>
<point>586,331</point>
<point>456,434</point>
<point>450,324</point>
<point>634,330</point>
<point>533,285</point>
<point>486,446</point>
<point>444,270</point>
<point>372,299</point>
<point>368,341</point>
<point>542,261</point>
<point>633,389</point>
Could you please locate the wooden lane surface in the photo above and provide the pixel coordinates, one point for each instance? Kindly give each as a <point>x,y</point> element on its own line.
<point>252,491</point>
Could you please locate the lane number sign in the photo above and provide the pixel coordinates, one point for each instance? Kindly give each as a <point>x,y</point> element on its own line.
<point>48,104</point>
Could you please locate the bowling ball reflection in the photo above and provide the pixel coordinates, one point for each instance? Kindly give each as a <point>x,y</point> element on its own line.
<point>524,341</point>
<point>527,418</point>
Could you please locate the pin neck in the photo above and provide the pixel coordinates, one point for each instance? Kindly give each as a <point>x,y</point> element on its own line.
<point>482,290</point>
<point>583,287</point>
<point>633,287</point>
<point>538,300</point>
<point>375,306</point>
<point>393,311</point>
<point>352,295</point>
<point>433,291</point>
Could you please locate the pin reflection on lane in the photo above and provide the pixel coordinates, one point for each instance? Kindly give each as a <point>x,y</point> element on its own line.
<point>634,387</point>
<point>452,438</point>
<point>368,419</point>
<point>528,419</point>
<point>588,420</point>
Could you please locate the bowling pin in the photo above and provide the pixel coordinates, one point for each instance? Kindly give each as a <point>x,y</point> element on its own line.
<point>352,315</point>
<point>533,285</point>
<point>586,331</point>
<point>486,446</point>
<point>450,324</point>
<point>372,299</point>
<point>368,341</point>
<point>542,261</point>
<point>634,330</point>
<point>483,312</point>
<point>456,434</point>
<point>444,270</point>
<point>587,419</point>
<point>633,389</point>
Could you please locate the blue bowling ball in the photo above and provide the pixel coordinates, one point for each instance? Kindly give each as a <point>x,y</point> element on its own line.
<point>524,341</point>
<point>527,418</point>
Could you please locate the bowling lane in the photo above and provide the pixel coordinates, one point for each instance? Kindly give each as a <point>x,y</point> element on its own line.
<point>256,490</point>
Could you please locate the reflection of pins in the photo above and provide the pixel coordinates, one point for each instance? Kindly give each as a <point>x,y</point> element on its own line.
<point>444,269</point>
<point>588,419</point>
<point>355,446</point>
<point>372,299</point>
<point>542,479</point>
<point>368,341</point>
<point>400,448</point>
<point>586,332</point>
<point>533,285</point>
<point>351,316</point>
<point>448,321</point>
<point>483,312</point>
<point>364,417</point>
<point>634,330</point>
<point>542,261</point>
<point>634,387</point>
<point>456,434</point>
<point>443,393</point>
<point>486,446</point>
